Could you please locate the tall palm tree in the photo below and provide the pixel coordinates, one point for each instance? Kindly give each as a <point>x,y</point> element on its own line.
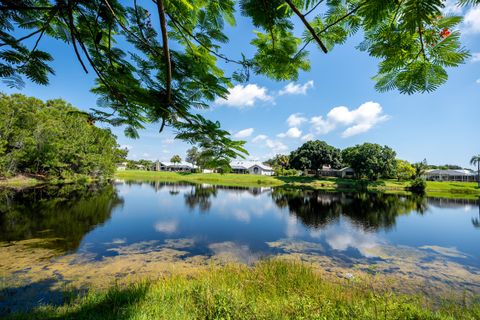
<point>476,161</point>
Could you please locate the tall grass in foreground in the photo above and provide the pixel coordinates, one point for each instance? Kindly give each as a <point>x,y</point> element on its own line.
<point>273,289</point>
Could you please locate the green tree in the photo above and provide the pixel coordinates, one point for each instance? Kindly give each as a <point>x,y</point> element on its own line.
<point>476,161</point>
<point>147,164</point>
<point>420,168</point>
<point>121,155</point>
<point>314,155</point>
<point>176,159</point>
<point>52,139</point>
<point>279,161</point>
<point>159,69</point>
<point>192,156</point>
<point>370,160</point>
<point>404,170</point>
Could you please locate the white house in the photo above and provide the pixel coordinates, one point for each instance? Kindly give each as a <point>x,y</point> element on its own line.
<point>174,167</point>
<point>251,167</point>
<point>122,166</point>
<point>451,175</point>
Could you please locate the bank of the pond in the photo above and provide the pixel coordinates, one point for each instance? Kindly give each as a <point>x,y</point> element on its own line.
<point>465,190</point>
<point>20,182</point>
<point>272,289</point>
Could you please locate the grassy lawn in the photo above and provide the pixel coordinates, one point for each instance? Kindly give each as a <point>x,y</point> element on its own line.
<point>224,179</point>
<point>272,289</point>
<point>468,190</point>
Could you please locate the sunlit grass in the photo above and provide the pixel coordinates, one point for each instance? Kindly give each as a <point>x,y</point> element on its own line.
<point>273,289</point>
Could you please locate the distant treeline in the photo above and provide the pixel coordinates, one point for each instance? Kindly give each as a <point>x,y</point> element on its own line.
<point>53,139</point>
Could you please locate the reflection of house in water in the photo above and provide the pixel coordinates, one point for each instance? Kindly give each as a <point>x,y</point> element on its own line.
<point>452,203</point>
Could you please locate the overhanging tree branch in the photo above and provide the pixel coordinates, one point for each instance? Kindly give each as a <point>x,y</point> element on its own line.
<point>166,51</point>
<point>314,7</point>
<point>191,35</point>
<point>331,25</point>
<point>72,35</point>
<point>307,25</point>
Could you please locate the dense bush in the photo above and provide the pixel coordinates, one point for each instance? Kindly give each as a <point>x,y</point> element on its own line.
<point>52,139</point>
<point>286,172</point>
<point>418,185</point>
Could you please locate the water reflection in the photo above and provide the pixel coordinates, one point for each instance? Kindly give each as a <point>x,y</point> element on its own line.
<point>370,211</point>
<point>64,213</point>
<point>108,232</point>
<point>199,196</point>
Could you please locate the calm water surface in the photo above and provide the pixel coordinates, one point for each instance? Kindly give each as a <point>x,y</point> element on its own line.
<point>98,219</point>
<point>99,222</point>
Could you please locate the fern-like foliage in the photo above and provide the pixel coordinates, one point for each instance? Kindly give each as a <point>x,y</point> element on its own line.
<point>161,69</point>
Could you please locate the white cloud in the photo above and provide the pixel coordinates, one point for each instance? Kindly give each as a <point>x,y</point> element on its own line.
<point>295,120</point>
<point>321,125</point>
<point>307,137</point>
<point>291,133</point>
<point>478,81</point>
<point>245,133</point>
<point>276,146</point>
<point>471,20</point>
<point>168,141</point>
<point>451,7</point>
<point>242,96</point>
<point>293,88</point>
<point>358,120</point>
<point>260,137</point>
<point>475,56</point>
<point>166,226</point>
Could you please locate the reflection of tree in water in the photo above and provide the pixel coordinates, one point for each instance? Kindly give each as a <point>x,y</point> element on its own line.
<point>370,211</point>
<point>200,196</point>
<point>476,221</point>
<point>66,212</point>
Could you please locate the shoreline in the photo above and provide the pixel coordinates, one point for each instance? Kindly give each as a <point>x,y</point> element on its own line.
<point>448,190</point>
<point>451,190</point>
<point>269,289</point>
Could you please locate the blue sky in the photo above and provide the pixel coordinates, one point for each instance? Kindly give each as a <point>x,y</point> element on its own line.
<point>335,101</point>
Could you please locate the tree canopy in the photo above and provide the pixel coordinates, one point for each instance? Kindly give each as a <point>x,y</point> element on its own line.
<point>53,139</point>
<point>176,159</point>
<point>371,160</point>
<point>404,170</point>
<point>314,155</point>
<point>279,161</point>
<point>160,61</point>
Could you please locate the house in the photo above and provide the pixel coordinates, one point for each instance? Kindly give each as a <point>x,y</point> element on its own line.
<point>251,167</point>
<point>122,166</point>
<point>328,171</point>
<point>173,167</point>
<point>451,175</point>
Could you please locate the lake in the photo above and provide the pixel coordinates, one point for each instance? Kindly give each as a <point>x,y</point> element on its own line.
<point>57,238</point>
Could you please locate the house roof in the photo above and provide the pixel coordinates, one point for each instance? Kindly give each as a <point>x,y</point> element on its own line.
<point>451,172</point>
<point>176,165</point>
<point>244,164</point>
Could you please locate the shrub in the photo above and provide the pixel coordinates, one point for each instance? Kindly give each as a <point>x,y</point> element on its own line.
<point>286,172</point>
<point>418,185</point>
